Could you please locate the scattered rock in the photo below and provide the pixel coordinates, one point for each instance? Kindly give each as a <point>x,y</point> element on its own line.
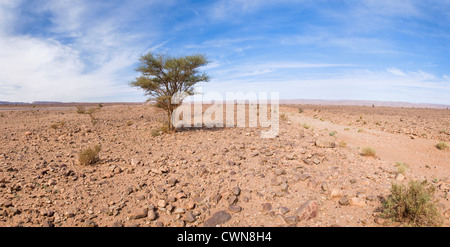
<point>291,220</point>
<point>190,218</point>
<point>235,208</point>
<point>284,210</point>
<point>325,143</point>
<point>6,203</point>
<point>324,186</point>
<point>307,211</point>
<point>400,177</point>
<point>336,193</point>
<point>357,202</point>
<point>117,224</point>
<point>138,214</point>
<point>266,207</point>
<point>232,200</point>
<point>236,191</point>
<point>344,201</point>
<point>151,215</point>
<point>217,218</point>
<point>216,198</point>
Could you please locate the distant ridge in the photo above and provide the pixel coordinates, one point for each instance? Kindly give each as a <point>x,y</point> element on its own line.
<point>282,101</point>
<point>363,103</point>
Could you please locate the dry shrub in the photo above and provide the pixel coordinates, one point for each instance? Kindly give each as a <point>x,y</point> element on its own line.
<point>368,151</point>
<point>412,205</point>
<point>81,110</point>
<point>58,125</point>
<point>442,146</point>
<point>89,156</point>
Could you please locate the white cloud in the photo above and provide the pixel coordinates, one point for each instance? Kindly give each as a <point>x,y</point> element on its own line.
<point>396,71</point>
<point>94,65</point>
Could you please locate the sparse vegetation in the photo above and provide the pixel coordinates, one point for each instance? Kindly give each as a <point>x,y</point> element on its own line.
<point>129,123</point>
<point>90,112</point>
<point>306,126</point>
<point>89,156</point>
<point>401,167</point>
<point>163,129</point>
<point>412,205</point>
<point>155,132</point>
<point>2,115</point>
<point>81,110</point>
<point>442,146</point>
<point>300,110</point>
<point>342,144</point>
<point>58,125</point>
<point>360,130</point>
<point>347,129</point>
<point>333,133</point>
<point>368,151</point>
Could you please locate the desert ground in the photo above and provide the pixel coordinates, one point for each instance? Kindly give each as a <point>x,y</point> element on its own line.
<point>312,174</point>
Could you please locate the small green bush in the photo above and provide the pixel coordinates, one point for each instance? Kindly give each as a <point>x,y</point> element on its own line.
<point>332,133</point>
<point>89,156</point>
<point>412,205</point>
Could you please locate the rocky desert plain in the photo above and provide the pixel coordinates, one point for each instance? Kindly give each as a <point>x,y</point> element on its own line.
<point>312,174</point>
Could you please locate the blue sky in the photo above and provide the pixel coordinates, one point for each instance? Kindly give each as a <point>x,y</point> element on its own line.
<point>87,50</point>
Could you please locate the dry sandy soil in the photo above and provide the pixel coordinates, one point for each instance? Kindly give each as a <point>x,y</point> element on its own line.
<point>209,177</point>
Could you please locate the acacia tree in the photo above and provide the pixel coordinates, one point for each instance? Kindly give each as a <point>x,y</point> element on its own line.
<point>164,77</point>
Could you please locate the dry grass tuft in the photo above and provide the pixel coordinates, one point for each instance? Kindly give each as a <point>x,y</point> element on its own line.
<point>368,151</point>
<point>442,146</point>
<point>89,156</point>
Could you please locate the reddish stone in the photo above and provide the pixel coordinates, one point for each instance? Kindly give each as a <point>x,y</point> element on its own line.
<point>307,211</point>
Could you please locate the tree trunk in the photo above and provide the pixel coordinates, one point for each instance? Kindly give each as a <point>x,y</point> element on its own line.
<point>169,117</point>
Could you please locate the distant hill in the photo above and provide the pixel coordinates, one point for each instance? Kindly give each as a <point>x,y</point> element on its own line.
<point>12,103</point>
<point>363,103</point>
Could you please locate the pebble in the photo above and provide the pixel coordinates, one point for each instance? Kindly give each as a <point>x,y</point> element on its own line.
<point>232,200</point>
<point>161,204</point>
<point>217,218</point>
<point>190,217</point>
<point>336,193</point>
<point>284,210</point>
<point>235,208</point>
<point>236,191</point>
<point>400,177</point>
<point>216,198</point>
<point>357,202</point>
<point>138,214</point>
<point>291,220</point>
<point>151,215</point>
<point>324,186</point>
<point>307,211</point>
<point>266,207</point>
<point>344,201</point>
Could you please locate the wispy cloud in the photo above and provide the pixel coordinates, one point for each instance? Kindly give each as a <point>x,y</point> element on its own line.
<point>86,56</point>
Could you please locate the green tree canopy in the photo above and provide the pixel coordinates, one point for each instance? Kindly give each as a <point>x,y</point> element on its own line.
<point>164,77</point>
